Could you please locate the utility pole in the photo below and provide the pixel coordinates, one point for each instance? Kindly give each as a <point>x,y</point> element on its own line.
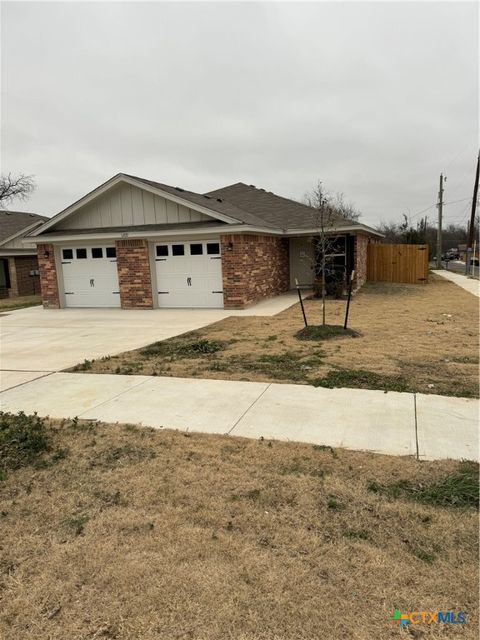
<point>471,229</point>
<point>439,229</point>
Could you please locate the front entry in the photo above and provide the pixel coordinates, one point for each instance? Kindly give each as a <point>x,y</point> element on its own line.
<point>189,274</point>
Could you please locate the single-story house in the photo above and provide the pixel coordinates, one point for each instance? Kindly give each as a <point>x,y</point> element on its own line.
<point>18,260</point>
<point>138,244</point>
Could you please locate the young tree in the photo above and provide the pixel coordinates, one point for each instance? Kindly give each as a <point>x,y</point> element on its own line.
<point>325,219</point>
<point>15,188</point>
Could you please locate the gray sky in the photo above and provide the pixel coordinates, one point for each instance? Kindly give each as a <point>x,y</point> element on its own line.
<point>375,99</point>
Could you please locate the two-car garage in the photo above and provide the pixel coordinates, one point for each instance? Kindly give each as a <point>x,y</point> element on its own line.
<point>187,274</point>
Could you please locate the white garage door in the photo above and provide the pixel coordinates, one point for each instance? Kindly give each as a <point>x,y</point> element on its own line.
<point>90,277</point>
<point>189,274</point>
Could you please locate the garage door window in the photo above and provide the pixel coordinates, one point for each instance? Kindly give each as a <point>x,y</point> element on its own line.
<point>178,250</point>
<point>111,252</point>
<point>67,254</point>
<point>196,249</point>
<point>213,248</point>
<point>97,252</point>
<point>81,254</point>
<point>162,250</point>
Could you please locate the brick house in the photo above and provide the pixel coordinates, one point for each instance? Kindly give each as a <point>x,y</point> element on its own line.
<point>18,260</point>
<point>138,244</point>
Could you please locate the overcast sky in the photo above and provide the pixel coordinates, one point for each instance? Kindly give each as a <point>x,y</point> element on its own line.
<point>374,99</point>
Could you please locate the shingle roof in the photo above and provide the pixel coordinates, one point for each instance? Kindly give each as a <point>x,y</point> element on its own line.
<point>213,202</point>
<point>12,222</point>
<point>274,210</point>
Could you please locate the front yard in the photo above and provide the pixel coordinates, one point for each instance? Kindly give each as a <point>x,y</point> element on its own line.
<point>113,531</point>
<point>410,338</point>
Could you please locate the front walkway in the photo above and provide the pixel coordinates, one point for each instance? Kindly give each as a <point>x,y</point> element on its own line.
<point>469,284</point>
<point>427,426</point>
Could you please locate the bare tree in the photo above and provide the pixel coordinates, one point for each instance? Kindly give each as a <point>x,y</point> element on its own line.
<point>345,209</point>
<point>15,187</point>
<point>325,220</point>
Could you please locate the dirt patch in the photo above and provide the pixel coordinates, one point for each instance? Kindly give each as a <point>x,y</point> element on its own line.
<point>136,533</point>
<point>425,337</point>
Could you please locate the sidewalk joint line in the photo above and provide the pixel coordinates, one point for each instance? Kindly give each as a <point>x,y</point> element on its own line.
<point>95,406</point>
<point>20,384</point>
<point>248,409</point>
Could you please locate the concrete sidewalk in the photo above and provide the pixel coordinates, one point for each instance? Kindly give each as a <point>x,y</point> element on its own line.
<point>469,284</point>
<point>427,426</point>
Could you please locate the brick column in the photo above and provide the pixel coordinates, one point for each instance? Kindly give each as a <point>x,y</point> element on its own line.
<point>360,260</point>
<point>134,277</point>
<point>48,276</point>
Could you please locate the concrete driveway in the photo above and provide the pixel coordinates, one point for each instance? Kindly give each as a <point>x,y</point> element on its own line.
<point>36,341</point>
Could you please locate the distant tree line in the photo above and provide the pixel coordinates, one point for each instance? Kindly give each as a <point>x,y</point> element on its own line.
<point>422,233</point>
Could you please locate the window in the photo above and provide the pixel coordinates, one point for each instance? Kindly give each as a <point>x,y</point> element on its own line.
<point>111,252</point>
<point>81,254</point>
<point>97,252</point>
<point>213,248</point>
<point>178,250</point>
<point>196,249</point>
<point>162,250</point>
<point>67,254</point>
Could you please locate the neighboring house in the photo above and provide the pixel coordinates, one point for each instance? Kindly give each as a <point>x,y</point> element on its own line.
<point>138,244</point>
<point>18,261</point>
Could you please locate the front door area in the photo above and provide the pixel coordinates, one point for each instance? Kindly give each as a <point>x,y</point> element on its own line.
<point>189,274</point>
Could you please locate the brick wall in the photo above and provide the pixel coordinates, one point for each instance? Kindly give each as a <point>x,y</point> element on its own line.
<point>25,284</point>
<point>360,260</point>
<point>257,267</point>
<point>48,276</point>
<point>134,277</point>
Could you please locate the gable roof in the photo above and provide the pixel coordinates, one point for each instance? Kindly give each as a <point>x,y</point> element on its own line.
<point>272,209</point>
<point>13,223</point>
<point>236,204</point>
<point>214,202</point>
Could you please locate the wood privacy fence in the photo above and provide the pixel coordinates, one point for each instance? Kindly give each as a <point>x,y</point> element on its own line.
<point>397,263</point>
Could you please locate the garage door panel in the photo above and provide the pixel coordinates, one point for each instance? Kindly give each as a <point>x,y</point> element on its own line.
<point>90,281</point>
<point>189,280</point>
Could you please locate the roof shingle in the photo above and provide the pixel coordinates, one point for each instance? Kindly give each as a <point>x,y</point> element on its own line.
<point>12,222</point>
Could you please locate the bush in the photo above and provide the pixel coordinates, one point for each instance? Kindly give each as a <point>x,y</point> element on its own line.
<point>22,440</point>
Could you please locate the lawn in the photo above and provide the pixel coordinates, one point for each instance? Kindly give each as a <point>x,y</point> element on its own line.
<point>113,531</point>
<point>10,304</point>
<point>406,338</point>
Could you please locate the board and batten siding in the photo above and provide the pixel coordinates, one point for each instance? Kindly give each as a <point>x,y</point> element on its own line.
<point>125,205</point>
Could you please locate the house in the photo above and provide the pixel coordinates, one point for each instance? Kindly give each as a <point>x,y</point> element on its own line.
<point>138,244</point>
<point>462,252</point>
<point>18,261</point>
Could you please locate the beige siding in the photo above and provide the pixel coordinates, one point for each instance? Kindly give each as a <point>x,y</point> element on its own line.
<point>301,261</point>
<point>126,205</point>
<point>17,243</point>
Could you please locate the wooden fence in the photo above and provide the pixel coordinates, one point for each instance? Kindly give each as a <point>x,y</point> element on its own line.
<point>397,263</point>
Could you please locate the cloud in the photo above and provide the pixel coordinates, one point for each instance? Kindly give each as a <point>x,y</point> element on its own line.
<point>375,99</point>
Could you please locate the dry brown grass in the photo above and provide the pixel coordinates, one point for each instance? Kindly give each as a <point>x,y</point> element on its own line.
<point>132,533</point>
<point>419,338</point>
<point>10,304</point>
